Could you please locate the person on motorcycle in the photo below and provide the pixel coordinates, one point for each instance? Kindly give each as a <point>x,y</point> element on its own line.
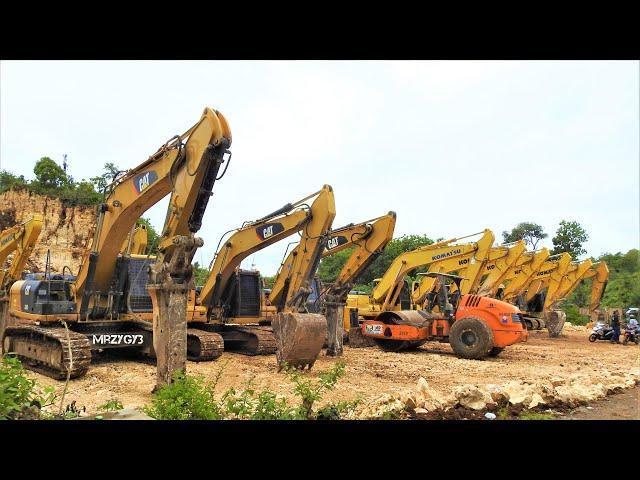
<point>615,325</point>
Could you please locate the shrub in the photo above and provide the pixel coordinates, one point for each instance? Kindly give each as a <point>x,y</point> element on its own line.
<point>191,397</point>
<point>187,398</point>
<point>20,397</point>
<point>573,315</point>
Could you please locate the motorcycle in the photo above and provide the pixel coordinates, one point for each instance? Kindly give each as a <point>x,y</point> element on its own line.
<point>601,331</point>
<point>631,336</point>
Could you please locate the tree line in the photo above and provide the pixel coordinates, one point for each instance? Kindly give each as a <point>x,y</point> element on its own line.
<point>52,180</point>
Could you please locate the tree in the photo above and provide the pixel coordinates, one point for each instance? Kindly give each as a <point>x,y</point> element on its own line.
<point>49,175</point>
<point>569,238</point>
<point>531,233</point>
<point>9,180</point>
<point>200,274</point>
<point>101,182</point>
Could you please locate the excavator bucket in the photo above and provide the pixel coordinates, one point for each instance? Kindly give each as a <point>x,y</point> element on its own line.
<point>554,320</point>
<point>299,338</point>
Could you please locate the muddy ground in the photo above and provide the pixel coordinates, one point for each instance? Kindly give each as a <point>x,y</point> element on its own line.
<point>370,371</point>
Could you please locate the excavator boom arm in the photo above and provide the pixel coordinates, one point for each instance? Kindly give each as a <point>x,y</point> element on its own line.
<point>175,168</point>
<point>250,238</point>
<point>292,285</point>
<point>369,239</point>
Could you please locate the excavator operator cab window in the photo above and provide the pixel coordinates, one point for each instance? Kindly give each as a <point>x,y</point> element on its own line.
<point>405,297</point>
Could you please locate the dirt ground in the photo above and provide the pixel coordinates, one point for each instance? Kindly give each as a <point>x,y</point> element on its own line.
<point>370,371</point>
<point>622,406</point>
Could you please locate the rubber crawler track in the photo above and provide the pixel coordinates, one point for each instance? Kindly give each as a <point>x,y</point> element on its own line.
<point>54,340</point>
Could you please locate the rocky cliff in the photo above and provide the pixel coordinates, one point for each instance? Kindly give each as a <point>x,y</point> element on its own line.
<point>67,231</point>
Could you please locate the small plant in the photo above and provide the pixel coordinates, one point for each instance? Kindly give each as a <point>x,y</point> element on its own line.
<point>187,398</point>
<point>391,415</point>
<point>337,411</point>
<point>503,413</point>
<point>311,392</point>
<point>112,405</point>
<point>20,397</point>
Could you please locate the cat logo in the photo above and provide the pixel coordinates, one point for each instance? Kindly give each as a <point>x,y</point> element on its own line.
<point>334,242</point>
<point>144,180</point>
<point>269,230</point>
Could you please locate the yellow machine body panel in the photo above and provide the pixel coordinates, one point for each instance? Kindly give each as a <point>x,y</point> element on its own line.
<point>599,275</point>
<point>20,241</point>
<point>522,273</point>
<point>496,269</point>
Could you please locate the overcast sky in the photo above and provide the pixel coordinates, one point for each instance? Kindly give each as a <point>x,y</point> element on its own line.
<point>451,147</point>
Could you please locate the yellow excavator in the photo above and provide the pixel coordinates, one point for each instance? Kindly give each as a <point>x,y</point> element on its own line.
<point>527,293</point>
<point>569,281</point>
<point>520,273</point>
<point>369,239</point>
<point>231,303</point>
<point>500,261</point>
<point>98,306</point>
<point>599,276</point>
<point>136,242</point>
<point>18,240</point>
<point>549,293</point>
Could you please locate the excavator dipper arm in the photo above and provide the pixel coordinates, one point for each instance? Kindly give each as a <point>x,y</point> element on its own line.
<point>369,239</point>
<point>600,274</point>
<point>254,236</point>
<point>299,335</point>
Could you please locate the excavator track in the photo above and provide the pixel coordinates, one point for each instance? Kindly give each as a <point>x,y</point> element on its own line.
<point>203,346</point>
<point>50,351</point>
<point>249,340</point>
